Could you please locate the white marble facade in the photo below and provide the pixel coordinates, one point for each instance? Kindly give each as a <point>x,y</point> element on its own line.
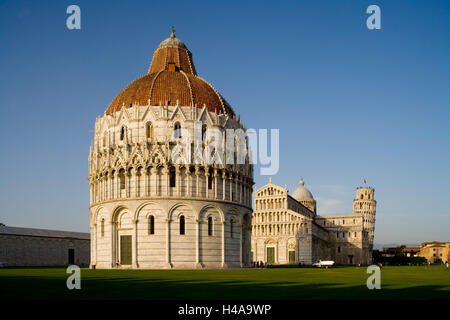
<point>147,208</point>
<point>130,175</point>
<point>287,230</point>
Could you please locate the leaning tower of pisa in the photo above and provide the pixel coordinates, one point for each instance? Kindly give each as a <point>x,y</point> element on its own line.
<point>365,205</point>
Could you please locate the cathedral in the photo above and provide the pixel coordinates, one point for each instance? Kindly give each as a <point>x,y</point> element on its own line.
<point>149,211</point>
<point>286,229</point>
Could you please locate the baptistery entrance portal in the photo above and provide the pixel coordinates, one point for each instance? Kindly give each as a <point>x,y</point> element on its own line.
<point>125,250</point>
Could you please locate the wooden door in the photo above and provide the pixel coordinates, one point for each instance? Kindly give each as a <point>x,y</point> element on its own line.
<point>125,250</point>
<point>71,256</point>
<point>271,255</point>
<point>291,256</point>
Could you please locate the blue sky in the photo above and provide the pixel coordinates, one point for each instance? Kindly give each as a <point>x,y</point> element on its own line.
<point>350,103</point>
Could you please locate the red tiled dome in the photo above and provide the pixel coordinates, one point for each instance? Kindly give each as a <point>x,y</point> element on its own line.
<point>171,79</point>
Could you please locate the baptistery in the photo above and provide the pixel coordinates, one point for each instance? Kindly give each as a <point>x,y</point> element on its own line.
<point>159,196</point>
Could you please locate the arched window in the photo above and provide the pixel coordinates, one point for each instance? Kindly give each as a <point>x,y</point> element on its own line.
<point>122,179</point>
<point>210,181</point>
<point>172,178</point>
<point>102,228</point>
<point>122,133</point>
<point>210,226</point>
<point>149,130</point>
<point>177,130</point>
<point>204,128</point>
<point>182,225</point>
<point>151,225</point>
<point>113,175</point>
<point>231,228</point>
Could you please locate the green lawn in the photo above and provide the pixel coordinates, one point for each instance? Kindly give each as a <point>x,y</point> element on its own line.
<point>273,283</point>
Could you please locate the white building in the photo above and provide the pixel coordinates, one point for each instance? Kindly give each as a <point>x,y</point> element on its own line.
<point>147,211</point>
<point>287,230</point>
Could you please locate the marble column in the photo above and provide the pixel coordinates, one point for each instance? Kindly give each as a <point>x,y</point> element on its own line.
<point>105,187</point>
<point>197,174</point>
<point>168,243</point>
<point>197,244</point>
<point>223,245</point>
<point>224,185</point>
<point>115,178</point>
<point>215,183</point>
<point>113,245</point>
<point>240,243</point>
<point>118,194</point>
<point>93,241</point>
<point>166,174</point>
<point>137,182</point>
<point>154,176</point>
<point>134,247</point>
<point>145,181</point>
<point>231,186</point>
<point>178,180</point>
<point>207,191</point>
<point>127,183</point>
<point>188,192</point>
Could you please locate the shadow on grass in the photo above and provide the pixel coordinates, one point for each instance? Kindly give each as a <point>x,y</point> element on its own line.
<point>123,288</point>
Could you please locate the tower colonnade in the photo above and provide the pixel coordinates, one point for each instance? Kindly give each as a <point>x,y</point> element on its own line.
<point>154,181</point>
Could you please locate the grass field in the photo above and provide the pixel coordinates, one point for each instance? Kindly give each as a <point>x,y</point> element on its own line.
<point>273,283</point>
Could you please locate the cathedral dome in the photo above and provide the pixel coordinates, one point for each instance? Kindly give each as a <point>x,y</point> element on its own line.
<point>302,193</point>
<point>171,80</point>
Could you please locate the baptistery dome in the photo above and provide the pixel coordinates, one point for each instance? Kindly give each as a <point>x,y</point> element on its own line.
<point>171,80</point>
<point>149,210</point>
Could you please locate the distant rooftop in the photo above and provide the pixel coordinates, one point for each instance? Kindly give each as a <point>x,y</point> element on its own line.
<point>19,231</point>
<point>338,215</point>
<point>434,244</point>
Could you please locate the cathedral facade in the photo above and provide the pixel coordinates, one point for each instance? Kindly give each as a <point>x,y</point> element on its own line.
<point>287,230</point>
<point>149,211</point>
